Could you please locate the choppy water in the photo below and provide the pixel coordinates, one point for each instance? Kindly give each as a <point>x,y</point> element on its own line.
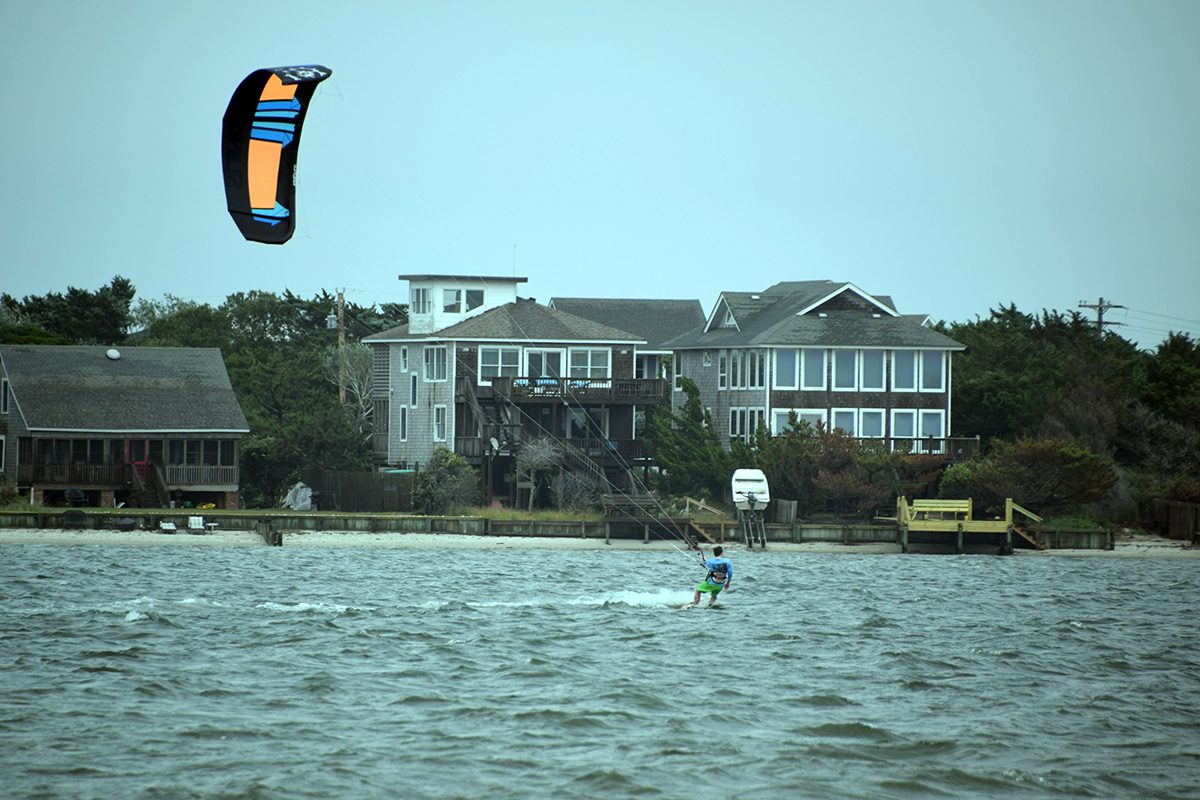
<point>207,672</point>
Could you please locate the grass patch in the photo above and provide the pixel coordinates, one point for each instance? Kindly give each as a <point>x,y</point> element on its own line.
<point>516,514</point>
<point>1072,523</point>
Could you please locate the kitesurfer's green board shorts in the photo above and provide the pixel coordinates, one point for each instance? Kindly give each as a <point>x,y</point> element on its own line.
<point>710,588</point>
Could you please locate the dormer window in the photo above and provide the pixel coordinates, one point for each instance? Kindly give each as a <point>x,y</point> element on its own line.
<point>474,299</point>
<point>729,321</point>
<point>418,301</point>
<point>452,300</point>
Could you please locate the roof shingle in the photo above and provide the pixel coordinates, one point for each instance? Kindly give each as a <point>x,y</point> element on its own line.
<point>146,389</point>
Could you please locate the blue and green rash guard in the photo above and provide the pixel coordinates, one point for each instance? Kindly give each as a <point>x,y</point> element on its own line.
<point>720,570</point>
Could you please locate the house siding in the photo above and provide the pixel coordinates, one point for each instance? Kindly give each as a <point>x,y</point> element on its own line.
<point>719,402</point>
<point>420,444</point>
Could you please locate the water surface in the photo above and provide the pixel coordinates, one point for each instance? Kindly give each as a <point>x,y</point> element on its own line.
<point>211,672</point>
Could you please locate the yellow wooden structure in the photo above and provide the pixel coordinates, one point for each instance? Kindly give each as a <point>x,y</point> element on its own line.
<point>957,517</point>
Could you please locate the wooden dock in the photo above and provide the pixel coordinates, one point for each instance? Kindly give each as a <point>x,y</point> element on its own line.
<point>957,517</point>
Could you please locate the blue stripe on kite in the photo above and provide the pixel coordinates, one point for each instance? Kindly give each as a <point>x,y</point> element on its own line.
<point>281,114</point>
<point>277,105</point>
<point>281,137</point>
<point>271,222</point>
<point>278,212</point>
<point>278,126</point>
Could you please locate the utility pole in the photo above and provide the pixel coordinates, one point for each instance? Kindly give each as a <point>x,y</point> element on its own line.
<point>1100,307</point>
<point>341,347</point>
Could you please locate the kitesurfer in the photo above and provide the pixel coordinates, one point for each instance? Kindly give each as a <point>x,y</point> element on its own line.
<point>720,573</point>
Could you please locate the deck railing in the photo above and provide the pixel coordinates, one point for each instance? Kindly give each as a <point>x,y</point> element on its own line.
<point>617,449</point>
<point>954,447</point>
<point>199,474</point>
<point>78,474</point>
<point>116,475</point>
<point>585,390</point>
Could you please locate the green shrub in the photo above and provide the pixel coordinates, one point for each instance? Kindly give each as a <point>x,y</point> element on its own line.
<point>447,482</point>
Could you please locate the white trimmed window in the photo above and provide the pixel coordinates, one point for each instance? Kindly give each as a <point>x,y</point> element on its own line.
<point>723,370</point>
<point>4,396</point>
<point>737,423</point>
<point>932,423</point>
<point>439,423</point>
<point>871,375</point>
<point>904,370</point>
<point>412,389</point>
<point>588,363</point>
<point>786,365</point>
<point>756,369</point>
<point>543,363</point>
<point>845,418</point>
<point>404,359</point>
<point>845,371</point>
<point>932,427</point>
<point>870,423</point>
<point>3,441</point>
<point>815,417</point>
<point>737,369</point>
<point>418,301</point>
<point>402,423</point>
<point>452,300</point>
<point>474,299</point>
<point>498,362</point>
<point>744,422</point>
<point>904,423</point>
<point>435,363</point>
<point>812,369</point>
<point>676,371</point>
<point>933,370</point>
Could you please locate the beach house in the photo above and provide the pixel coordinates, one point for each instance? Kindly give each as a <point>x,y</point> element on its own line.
<point>139,426</point>
<point>481,371</point>
<point>827,352</point>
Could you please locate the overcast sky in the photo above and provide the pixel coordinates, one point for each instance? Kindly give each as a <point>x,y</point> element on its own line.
<point>954,155</point>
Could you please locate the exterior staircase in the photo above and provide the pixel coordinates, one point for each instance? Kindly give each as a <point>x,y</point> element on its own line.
<point>150,492</point>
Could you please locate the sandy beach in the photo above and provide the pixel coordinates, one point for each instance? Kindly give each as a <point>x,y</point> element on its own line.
<point>1126,547</point>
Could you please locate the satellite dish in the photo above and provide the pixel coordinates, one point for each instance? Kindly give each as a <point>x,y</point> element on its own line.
<point>495,444</point>
<point>113,353</point>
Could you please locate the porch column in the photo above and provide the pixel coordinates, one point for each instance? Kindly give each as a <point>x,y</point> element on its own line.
<point>108,498</point>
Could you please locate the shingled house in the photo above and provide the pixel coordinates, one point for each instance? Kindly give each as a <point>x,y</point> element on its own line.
<point>830,353</point>
<point>481,371</point>
<point>141,425</point>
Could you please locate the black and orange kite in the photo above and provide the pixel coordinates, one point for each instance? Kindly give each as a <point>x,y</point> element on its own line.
<point>259,143</point>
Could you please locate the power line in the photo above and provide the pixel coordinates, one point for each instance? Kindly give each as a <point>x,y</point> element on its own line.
<point>1164,316</point>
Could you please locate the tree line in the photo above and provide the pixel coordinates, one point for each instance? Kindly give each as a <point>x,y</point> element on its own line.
<point>1072,418</point>
<point>284,364</point>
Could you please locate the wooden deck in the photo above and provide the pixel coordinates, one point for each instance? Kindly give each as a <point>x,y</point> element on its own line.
<point>957,517</point>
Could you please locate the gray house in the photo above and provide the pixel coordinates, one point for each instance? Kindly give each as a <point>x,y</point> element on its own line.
<point>141,425</point>
<point>828,352</point>
<point>484,372</point>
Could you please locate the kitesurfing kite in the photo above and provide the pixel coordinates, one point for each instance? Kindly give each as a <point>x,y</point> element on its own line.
<point>259,143</point>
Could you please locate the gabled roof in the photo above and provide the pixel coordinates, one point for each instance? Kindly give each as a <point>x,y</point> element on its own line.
<point>520,321</point>
<point>146,389</point>
<point>656,321</point>
<point>814,313</point>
